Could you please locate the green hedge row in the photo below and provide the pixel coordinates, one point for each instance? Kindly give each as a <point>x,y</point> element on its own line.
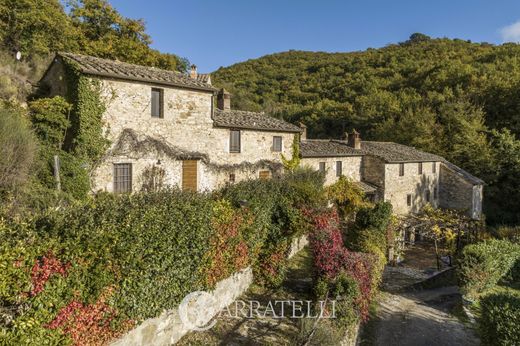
<point>500,319</point>
<point>87,273</point>
<point>482,265</point>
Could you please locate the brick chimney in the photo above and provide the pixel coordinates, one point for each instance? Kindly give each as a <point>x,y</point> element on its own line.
<point>223,100</point>
<point>354,140</point>
<point>303,136</point>
<point>193,71</point>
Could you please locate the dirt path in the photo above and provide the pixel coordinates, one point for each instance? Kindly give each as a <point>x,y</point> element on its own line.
<point>409,316</point>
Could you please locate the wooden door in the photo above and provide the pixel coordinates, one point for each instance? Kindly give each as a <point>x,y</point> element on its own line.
<point>264,175</point>
<point>189,175</point>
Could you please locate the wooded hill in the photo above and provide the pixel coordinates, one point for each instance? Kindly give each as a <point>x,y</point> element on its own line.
<point>451,97</point>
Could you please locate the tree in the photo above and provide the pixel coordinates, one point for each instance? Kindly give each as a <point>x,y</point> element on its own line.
<point>35,27</point>
<point>502,195</point>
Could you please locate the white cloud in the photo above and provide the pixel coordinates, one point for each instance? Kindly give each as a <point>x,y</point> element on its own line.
<point>511,33</point>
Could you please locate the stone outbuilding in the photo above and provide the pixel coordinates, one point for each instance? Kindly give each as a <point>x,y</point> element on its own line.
<point>406,177</point>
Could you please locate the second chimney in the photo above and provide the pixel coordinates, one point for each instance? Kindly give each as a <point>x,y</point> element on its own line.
<point>193,72</point>
<point>354,140</point>
<point>303,136</point>
<point>223,100</point>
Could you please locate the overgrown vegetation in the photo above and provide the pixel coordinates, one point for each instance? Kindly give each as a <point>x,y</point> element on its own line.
<point>489,276</point>
<point>482,265</point>
<point>41,27</point>
<point>349,250</point>
<point>87,273</point>
<point>500,319</point>
<point>450,97</point>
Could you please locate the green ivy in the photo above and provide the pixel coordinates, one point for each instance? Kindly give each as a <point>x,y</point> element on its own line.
<point>85,137</point>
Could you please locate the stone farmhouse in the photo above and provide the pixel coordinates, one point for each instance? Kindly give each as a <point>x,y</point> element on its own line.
<point>180,125</point>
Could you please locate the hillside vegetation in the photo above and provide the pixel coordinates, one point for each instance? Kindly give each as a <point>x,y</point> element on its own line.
<point>451,97</point>
<point>39,28</point>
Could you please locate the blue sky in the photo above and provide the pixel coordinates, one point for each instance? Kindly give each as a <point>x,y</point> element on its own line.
<point>223,32</point>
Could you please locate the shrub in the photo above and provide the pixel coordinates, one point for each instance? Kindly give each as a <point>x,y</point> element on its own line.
<point>482,265</point>
<point>332,260</point>
<point>17,149</point>
<point>88,272</point>
<point>500,318</point>
<point>347,196</point>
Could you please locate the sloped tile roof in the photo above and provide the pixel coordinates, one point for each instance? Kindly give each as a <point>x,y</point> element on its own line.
<point>366,187</point>
<point>251,121</point>
<point>464,174</point>
<point>121,70</point>
<point>204,78</point>
<point>327,148</point>
<point>394,152</point>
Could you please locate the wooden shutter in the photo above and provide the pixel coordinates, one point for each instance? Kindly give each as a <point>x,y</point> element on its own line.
<point>157,103</point>
<point>322,166</point>
<point>419,168</point>
<point>277,143</point>
<point>265,175</point>
<point>189,175</point>
<point>122,177</point>
<point>401,169</point>
<point>339,168</point>
<point>234,141</point>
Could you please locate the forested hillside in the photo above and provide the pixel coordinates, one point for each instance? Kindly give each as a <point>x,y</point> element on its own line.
<point>452,97</point>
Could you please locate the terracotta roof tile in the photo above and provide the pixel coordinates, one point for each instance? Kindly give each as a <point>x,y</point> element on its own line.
<point>251,120</point>
<point>327,148</point>
<point>121,70</point>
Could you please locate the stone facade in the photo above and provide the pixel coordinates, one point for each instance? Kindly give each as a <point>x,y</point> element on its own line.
<point>351,167</point>
<point>458,193</point>
<point>414,187</point>
<point>187,124</point>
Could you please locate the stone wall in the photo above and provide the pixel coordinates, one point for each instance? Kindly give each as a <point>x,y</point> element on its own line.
<point>398,187</point>
<point>168,328</point>
<point>351,167</point>
<point>457,193</point>
<point>186,125</point>
<point>373,170</point>
<point>55,80</point>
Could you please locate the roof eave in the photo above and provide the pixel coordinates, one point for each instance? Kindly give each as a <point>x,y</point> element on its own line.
<point>256,128</point>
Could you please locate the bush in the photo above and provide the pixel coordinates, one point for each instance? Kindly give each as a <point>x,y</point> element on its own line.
<point>89,272</point>
<point>482,265</point>
<point>17,149</point>
<point>500,318</point>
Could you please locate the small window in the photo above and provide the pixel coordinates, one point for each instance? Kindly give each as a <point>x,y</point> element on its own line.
<point>339,168</point>
<point>277,143</point>
<point>435,193</point>
<point>232,178</point>
<point>264,175</point>
<point>122,177</point>
<point>401,169</point>
<point>157,103</point>
<point>427,196</point>
<point>409,200</point>
<point>322,167</point>
<point>434,167</point>
<point>419,168</point>
<point>234,141</point>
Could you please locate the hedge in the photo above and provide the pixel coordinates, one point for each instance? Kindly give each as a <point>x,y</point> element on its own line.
<point>90,272</point>
<point>482,265</point>
<point>500,318</point>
